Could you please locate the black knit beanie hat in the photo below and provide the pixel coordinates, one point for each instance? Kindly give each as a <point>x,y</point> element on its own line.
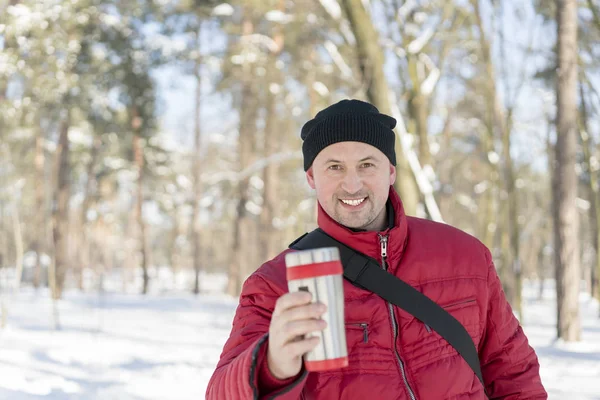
<point>348,121</point>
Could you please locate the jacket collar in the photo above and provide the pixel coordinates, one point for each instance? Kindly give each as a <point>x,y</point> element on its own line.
<point>368,242</point>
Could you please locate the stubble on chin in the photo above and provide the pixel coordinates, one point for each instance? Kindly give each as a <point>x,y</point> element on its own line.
<point>357,222</point>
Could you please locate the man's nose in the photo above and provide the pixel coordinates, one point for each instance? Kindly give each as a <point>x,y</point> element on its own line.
<point>352,182</point>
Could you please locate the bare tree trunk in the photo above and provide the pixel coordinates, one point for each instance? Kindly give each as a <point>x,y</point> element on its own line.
<point>541,272</point>
<point>531,252</point>
<point>371,60</point>
<point>196,227</point>
<point>130,258</point>
<point>513,226</point>
<point>419,70</point>
<point>174,259</point>
<point>588,148</point>
<point>239,254</point>
<point>3,311</point>
<point>101,258</point>
<point>272,144</point>
<point>83,252</point>
<point>499,118</point>
<point>3,244</point>
<point>419,110</point>
<point>61,210</point>
<point>566,218</point>
<point>550,151</point>
<point>3,307</point>
<point>313,96</point>
<point>39,243</point>
<point>16,221</point>
<point>3,314</point>
<point>489,206</point>
<point>313,107</point>
<point>138,149</point>
<point>506,274</point>
<point>16,225</point>
<point>595,289</point>
<point>53,289</point>
<point>234,283</point>
<point>270,179</point>
<point>490,224</point>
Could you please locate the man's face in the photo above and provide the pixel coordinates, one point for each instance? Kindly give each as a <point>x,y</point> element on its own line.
<point>352,181</point>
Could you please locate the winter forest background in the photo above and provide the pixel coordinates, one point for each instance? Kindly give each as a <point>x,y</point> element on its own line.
<point>150,161</point>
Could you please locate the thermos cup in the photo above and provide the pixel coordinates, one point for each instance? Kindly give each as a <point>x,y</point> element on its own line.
<point>319,271</point>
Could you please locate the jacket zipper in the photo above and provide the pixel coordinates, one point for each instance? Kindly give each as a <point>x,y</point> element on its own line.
<point>364,327</point>
<point>383,240</point>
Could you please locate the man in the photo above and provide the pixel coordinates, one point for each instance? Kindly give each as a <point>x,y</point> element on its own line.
<point>349,160</point>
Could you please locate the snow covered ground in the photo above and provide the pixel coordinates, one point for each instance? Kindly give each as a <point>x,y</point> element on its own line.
<point>569,370</point>
<point>130,347</point>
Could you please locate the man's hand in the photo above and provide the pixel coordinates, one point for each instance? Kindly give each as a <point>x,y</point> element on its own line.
<point>293,317</point>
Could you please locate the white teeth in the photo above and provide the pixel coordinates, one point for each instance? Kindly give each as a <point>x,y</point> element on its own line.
<point>353,202</point>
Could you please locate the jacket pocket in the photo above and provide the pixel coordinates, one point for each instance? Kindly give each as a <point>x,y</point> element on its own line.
<point>455,305</point>
<point>433,347</point>
<point>354,329</point>
<point>459,304</point>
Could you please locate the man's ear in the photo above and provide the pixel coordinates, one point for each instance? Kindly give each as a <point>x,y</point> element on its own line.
<point>310,178</point>
<point>392,174</point>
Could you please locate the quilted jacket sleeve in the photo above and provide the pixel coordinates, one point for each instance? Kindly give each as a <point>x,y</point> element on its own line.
<point>237,374</point>
<point>509,364</point>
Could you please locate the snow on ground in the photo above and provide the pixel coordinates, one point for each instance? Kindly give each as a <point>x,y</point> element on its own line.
<point>569,370</point>
<point>165,346</point>
<point>112,346</point>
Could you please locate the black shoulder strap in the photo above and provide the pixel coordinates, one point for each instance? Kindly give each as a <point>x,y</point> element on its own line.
<point>365,272</point>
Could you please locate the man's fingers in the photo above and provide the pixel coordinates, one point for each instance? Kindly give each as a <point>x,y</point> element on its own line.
<point>308,311</point>
<point>300,328</point>
<point>299,348</point>
<point>290,300</point>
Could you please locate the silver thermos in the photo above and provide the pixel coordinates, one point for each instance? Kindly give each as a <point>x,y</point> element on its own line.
<point>320,272</point>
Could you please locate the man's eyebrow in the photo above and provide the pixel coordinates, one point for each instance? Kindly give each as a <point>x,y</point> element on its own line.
<point>368,158</point>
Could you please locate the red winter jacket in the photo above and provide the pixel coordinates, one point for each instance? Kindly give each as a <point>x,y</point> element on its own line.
<point>392,355</point>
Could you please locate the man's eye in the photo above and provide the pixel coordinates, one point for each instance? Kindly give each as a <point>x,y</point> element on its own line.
<point>335,167</point>
<point>367,165</point>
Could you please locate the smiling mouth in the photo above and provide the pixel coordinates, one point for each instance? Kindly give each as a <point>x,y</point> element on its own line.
<point>352,202</point>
